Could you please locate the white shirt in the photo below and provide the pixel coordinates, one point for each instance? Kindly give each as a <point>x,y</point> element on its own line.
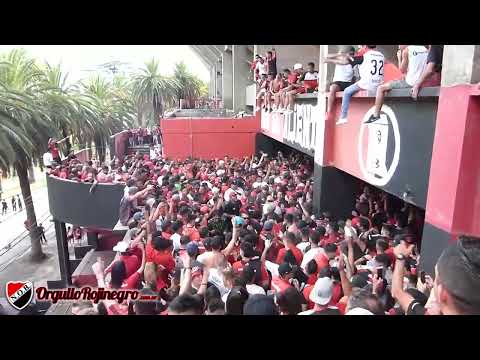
<point>175,241</point>
<point>47,159</point>
<point>272,267</point>
<point>303,245</point>
<point>417,60</point>
<point>258,184</point>
<point>311,76</point>
<point>371,70</point>
<point>343,73</point>
<point>253,289</point>
<point>262,68</point>
<point>226,196</point>
<point>153,154</point>
<point>310,255</point>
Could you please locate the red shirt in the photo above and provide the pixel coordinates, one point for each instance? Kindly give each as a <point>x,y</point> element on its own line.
<point>292,78</point>
<point>279,284</point>
<point>306,294</point>
<point>330,239</point>
<point>312,279</point>
<point>322,261</point>
<point>296,252</point>
<point>239,265</point>
<point>132,263</point>
<point>54,151</point>
<point>163,258</point>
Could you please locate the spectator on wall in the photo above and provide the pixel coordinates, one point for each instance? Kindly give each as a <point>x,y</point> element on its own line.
<point>431,75</point>
<point>371,65</point>
<point>411,62</point>
<point>276,87</point>
<point>261,67</point>
<point>343,76</point>
<point>293,84</point>
<point>272,63</point>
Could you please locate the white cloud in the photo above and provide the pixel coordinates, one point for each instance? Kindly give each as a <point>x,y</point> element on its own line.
<point>77,59</point>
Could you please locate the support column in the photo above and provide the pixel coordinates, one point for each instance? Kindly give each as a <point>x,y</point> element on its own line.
<point>63,255</point>
<point>453,207</point>
<point>211,87</point>
<point>227,80</point>
<point>240,76</point>
<point>333,189</point>
<point>219,75</point>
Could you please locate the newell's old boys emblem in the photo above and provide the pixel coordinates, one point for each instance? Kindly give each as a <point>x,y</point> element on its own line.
<point>19,293</point>
<point>379,147</point>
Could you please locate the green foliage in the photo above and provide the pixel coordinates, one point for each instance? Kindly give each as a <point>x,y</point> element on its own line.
<point>36,103</point>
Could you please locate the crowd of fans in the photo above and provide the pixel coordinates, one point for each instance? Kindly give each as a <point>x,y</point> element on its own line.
<point>239,236</point>
<point>276,91</point>
<point>144,136</point>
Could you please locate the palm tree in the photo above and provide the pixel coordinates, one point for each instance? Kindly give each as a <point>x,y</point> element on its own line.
<point>113,109</point>
<point>25,128</point>
<point>188,85</point>
<point>153,90</point>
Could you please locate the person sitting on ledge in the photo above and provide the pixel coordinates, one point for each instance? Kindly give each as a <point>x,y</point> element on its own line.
<point>412,59</point>
<point>342,78</point>
<point>371,65</point>
<point>431,75</point>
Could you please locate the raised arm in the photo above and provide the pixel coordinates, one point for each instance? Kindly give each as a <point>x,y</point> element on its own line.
<point>231,244</point>
<point>402,297</point>
<point>346,285</point>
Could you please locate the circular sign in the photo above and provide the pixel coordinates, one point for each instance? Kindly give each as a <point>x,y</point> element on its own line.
<point>373,165</point>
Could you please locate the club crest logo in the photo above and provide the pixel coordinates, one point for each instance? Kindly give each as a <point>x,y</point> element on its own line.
<point>379,147</point>
<point>19,293</point>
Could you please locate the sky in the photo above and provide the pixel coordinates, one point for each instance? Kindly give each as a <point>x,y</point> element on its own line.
<point>80,61</point>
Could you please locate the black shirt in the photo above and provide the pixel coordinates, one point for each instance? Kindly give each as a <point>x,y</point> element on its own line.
<point>232,208</point>
<point>415,308</point>
<point>272,66</point>
<point>435,55</point>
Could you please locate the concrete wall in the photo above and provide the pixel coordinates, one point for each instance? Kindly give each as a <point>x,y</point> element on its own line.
<point>461,65</point>
<point>250,95</point>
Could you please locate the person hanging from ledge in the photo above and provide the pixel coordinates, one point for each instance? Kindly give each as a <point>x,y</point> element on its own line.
<point>343,76</point>
<point>371,65</point>
<point>412,60</point>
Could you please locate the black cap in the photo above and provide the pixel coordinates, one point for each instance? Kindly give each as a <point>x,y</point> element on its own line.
<point>285,268</point>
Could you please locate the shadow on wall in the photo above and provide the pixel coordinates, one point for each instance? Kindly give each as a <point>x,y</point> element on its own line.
<point>71,202</point>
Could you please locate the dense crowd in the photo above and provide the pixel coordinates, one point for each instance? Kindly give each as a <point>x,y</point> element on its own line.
<point>239,236</point>
<point>144,136</point>
<point>276,91</point>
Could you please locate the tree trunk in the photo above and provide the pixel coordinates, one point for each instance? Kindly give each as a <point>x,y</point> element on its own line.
<point>31,174</point>
<point>22,172</point>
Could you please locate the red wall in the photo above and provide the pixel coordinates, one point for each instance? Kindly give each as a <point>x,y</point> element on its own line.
<point>454,190</point>
<point>209,137</point>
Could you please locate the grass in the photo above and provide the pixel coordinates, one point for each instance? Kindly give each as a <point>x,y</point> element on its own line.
<point>11,186</point>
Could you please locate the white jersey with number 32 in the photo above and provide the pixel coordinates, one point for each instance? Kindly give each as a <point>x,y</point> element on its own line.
<point>371,70</point>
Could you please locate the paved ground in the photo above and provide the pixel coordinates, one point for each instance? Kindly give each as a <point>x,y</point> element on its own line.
<point>11,225</point>
<point>20,267</point>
